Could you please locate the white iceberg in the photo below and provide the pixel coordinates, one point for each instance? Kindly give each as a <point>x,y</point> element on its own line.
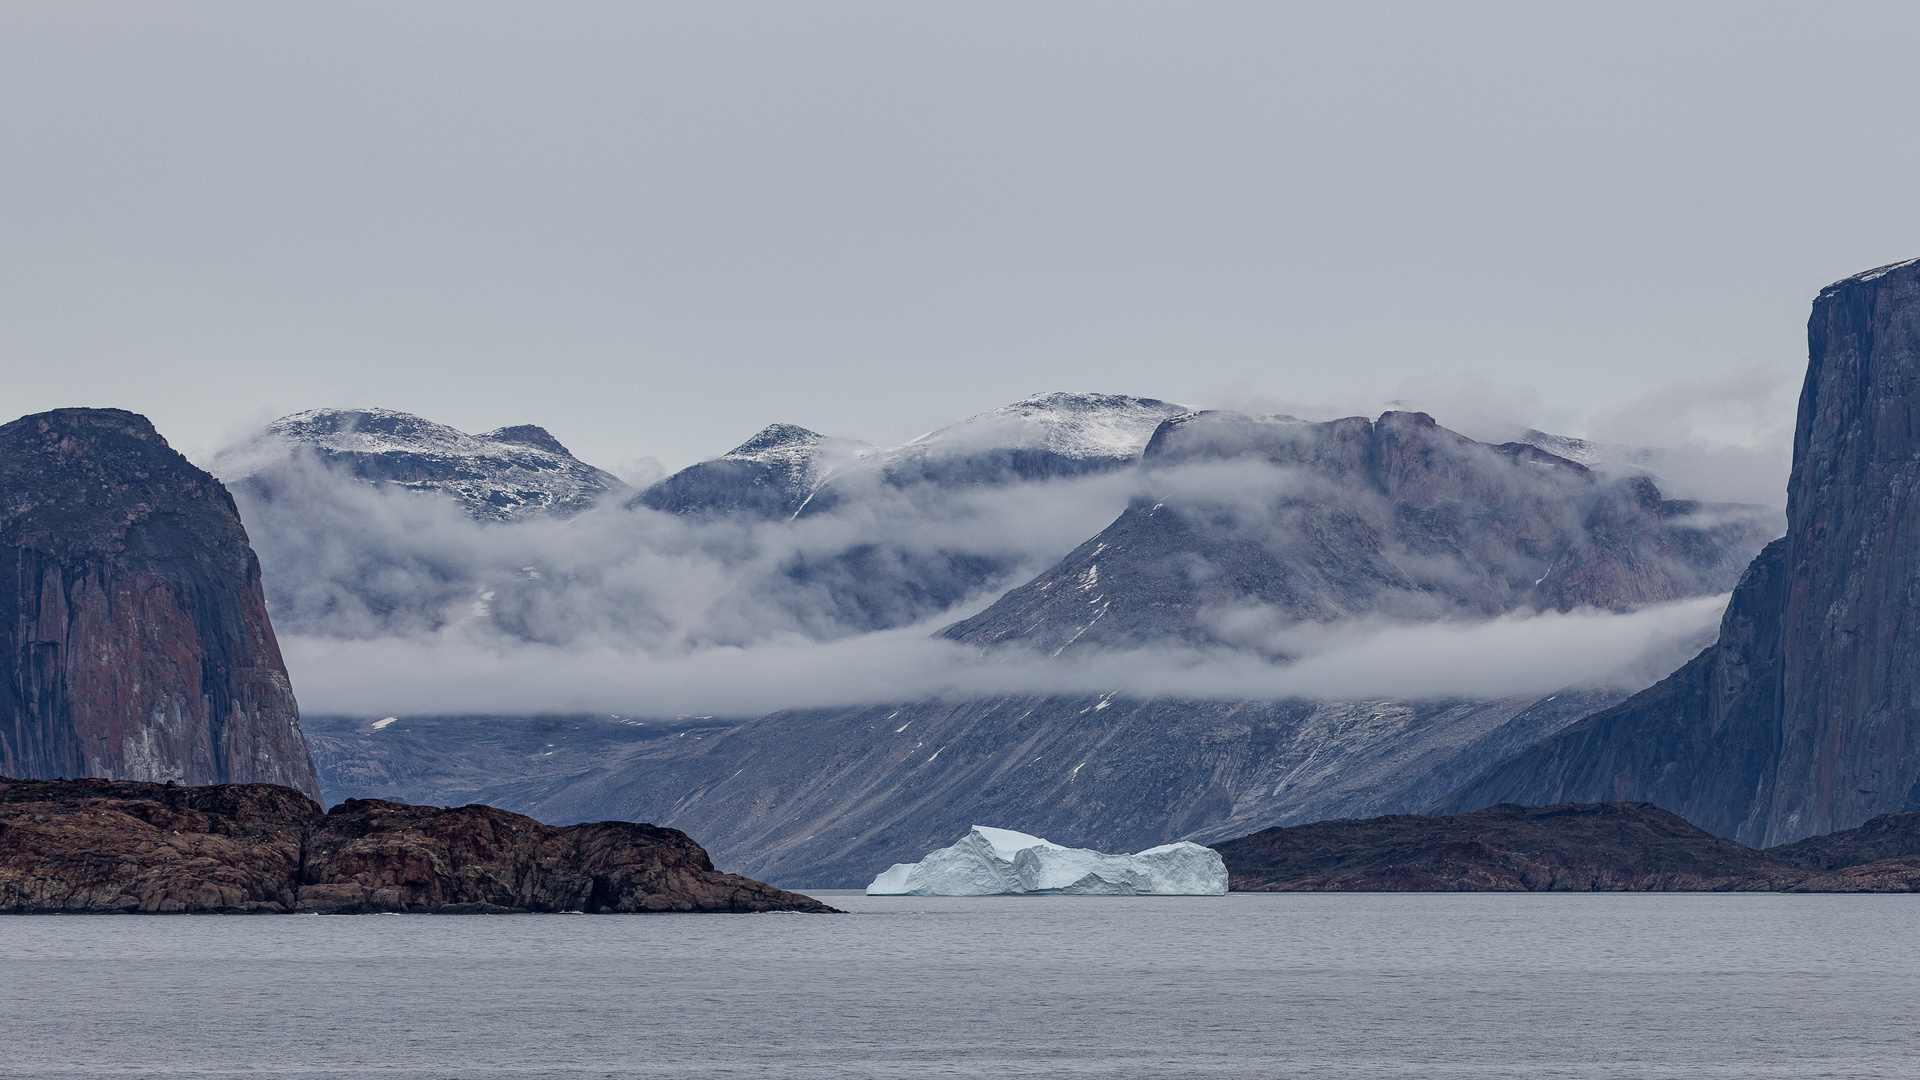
<point>1001,862</point>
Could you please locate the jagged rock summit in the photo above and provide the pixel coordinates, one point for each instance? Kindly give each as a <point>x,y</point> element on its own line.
<point>134,637</point>
<point>1251,523</point>
<point>496,475</point>
<point>1801,719</point>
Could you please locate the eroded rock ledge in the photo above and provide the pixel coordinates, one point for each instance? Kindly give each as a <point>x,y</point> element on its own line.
<point>78,846</point>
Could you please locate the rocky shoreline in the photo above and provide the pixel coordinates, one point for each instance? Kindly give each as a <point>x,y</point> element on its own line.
<point>100,846</point>
<point>1575,847</point>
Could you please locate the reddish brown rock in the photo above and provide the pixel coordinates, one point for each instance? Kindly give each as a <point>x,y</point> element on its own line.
<point>99,846</point>
<point>134,640</point>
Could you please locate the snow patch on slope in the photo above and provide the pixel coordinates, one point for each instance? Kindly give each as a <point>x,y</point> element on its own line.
<point>497,475</point>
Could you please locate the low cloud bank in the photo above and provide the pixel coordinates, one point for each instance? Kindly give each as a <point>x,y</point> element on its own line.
<point>465,668</point>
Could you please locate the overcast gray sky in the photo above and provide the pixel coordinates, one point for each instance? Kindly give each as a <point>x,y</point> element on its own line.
<point>654,228</point>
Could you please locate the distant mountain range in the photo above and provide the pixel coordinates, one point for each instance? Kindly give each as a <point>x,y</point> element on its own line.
<point>1232,532</point>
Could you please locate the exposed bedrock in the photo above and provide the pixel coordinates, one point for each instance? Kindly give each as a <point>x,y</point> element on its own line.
<point>134,641</point>
<point>1803,718</point>
<point>1251,523</point>
<point>1603,847</point>
<point>104,847</point>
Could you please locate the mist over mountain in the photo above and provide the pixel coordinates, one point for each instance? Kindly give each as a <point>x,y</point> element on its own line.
<point>497,475</point>
<point>1248,527</point>
<point>787,470</point>
<point>714,556</point>
<point>706,592</point>
<point>1106,618</point>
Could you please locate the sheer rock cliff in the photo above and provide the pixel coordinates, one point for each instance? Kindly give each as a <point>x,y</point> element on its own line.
<point>134,640</point>
<point>1802,718</point>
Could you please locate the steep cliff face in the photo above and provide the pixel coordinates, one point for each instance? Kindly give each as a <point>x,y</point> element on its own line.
<point>134,641</point>
<point>1803,718</point>
<point>1250,523</point>
<point>1850,626</point>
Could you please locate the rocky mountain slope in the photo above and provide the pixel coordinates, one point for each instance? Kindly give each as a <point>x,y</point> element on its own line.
<point>91,846</point>
<point>134,638</point>
<point>827,798</point>
<point>1249,524</point>
<point>1035,438</point>
<point>1800,719</point>
<point>1589,847</point>
<point>770,476</point>
<point>496,476</point>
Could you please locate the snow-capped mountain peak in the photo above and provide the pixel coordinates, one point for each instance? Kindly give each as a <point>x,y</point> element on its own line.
<point>1076,426</point>
<point>497,475</point>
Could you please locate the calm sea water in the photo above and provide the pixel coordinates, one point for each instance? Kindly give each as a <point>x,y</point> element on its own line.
<point>1350,985</point>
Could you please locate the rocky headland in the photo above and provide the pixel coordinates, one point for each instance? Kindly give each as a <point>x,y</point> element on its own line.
<point>134,639</point>
<point>1587,847</point>
<point>98,846</point>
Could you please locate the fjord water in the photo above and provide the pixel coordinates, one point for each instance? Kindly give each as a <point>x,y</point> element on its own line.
<point>1345,985</point>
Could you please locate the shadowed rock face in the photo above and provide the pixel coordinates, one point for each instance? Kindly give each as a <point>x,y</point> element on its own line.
<point>770,476</point>
<point>1802,718</point>
<point>134,640</point>
<point>1604,847</point>
<point>1251,521</point>
<point>97,846</point>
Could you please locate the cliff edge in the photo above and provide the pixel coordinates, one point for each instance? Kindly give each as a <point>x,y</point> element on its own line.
<point>1801,719</point>
<point>134,640</point>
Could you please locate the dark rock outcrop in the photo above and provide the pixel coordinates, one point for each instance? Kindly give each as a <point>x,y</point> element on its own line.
<point>1802,718</point>
<point>1252,523</point>
<point>1591,847</point>
<point>134,640</point>
<point>98,846</point>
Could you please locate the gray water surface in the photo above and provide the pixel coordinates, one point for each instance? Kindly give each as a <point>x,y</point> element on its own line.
<point>1340,985</point>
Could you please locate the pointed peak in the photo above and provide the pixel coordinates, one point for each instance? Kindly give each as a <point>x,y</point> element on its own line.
<point>776,437</point>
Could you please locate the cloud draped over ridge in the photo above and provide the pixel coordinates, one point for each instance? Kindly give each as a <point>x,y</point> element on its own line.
<point>460,669</point>
<point>391,601</point>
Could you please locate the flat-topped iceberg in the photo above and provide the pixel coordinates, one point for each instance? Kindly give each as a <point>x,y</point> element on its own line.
<point>1001,862</point>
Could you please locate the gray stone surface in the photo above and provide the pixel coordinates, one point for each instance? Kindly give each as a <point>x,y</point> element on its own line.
<point>1802,719</point>
<point>1397,518</point>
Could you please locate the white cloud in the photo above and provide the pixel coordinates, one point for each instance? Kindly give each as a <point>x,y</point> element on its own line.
<point>466,669</point>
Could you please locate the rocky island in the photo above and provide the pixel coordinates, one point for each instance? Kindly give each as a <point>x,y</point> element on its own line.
<point>99,846</point>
